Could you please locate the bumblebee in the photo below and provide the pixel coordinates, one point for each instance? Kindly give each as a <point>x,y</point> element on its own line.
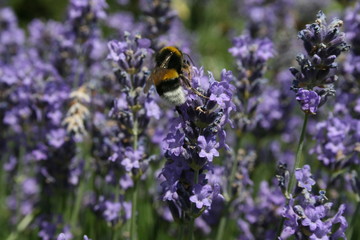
<point>171,72</point>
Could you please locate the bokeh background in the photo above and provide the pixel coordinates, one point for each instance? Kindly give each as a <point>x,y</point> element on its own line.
<point>65,136</point>
<point>213,22</point>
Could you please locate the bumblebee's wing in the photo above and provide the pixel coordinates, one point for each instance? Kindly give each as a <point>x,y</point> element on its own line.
<point>156,76</point>
<point>166,61</point>
<point>149,82</point>
<point>157,73</point>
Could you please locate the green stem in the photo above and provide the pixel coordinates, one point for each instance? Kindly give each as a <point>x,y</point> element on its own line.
<point>24,224</point>
<point>355,217</point>
<point>133,223</point>
<point>79,194</point>
<point>299,157</point>
<point>115,232</point>
<point>85,149</point>
<point>232,176</point>
<point>192,218</point>
<point>189,235</point>
<point>191,229</point>
<point>3,189</point>
<point>233,170</point>
<point>20,176</point>
<point>182,230</point>
<point>222,225</point>
<point>224,217</point>
<point>299,161</point>
<point>196,177</point>
<point>135,133</point>
<point>354,220</point>
<point>182,226</point>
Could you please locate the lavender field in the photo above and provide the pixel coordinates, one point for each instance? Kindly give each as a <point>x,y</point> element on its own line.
<point>264,146</point>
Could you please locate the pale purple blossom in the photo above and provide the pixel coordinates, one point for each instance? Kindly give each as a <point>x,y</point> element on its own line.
<point>303,176</point>
<point>309,100</point>
<point>112,211</point>
<point>132,159</point>
<point>208,148</point>
<point>201,196</point>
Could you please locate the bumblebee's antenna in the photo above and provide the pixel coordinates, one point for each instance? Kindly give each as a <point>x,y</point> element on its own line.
<point>192,62</point>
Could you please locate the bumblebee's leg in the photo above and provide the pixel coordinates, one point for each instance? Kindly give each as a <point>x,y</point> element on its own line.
<point>185,81</point>
<point>188,85</point>
<point>201,109</point>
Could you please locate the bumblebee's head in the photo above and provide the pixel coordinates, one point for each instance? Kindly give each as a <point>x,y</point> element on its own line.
<point>175,61</point>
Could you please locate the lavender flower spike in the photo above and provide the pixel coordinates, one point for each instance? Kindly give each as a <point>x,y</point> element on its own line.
<point>192,143</point>
<point>132,110</point>
<point>251,56</point>
<point>307,214</point>
<point>314,81</point>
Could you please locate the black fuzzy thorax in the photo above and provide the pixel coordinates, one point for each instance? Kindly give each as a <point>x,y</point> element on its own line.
<point>175,61</point>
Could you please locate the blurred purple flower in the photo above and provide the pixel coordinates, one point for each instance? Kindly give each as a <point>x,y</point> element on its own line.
<point>336,140</point>
<point>131,159</point>
<point>265,18</point>
<point>256,215</point>
<point>47,231</point>
<point>8,19</point>
<point>89,8</point>
<point>112,211</point>
<point>87,238</point>
<point>303,176</point>
<point>57,137</point>
<point>10,164</point>
<point>159,19</point>
<point>126,182</point>
<point>177,35</point>
<point>12,38</point>
<point>352,27</point>
<point>251,56</point>
<point>30,186</point>
<point>274,110</point>
<point>152,110</point>
<point>61,237</point>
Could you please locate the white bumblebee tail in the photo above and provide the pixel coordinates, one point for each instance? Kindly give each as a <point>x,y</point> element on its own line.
<point>175,97</point>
